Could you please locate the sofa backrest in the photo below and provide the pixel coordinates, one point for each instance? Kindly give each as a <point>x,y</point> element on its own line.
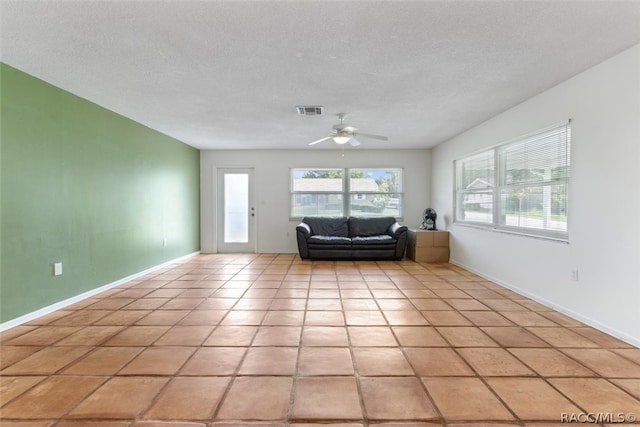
<point>328,226</point>
<point>369,226</point>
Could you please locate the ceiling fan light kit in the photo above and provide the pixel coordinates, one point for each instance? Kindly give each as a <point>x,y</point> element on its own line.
<point>342,133</point>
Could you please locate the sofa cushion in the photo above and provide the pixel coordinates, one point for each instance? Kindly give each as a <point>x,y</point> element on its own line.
<point>328,226</point>
<point>374,226</point>
<point>372,240</point>
<point>329,240</point>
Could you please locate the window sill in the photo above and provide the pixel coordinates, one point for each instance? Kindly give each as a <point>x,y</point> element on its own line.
<point>551,238</point>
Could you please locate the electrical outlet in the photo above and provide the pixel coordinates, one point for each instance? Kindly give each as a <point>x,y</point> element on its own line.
<point>574,275</point>
<point>164,242</point>
<point>57,269</point>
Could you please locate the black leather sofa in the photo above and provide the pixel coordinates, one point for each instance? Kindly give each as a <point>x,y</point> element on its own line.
<point>339,238</point>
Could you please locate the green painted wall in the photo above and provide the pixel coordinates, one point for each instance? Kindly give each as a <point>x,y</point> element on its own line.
<point>86,187</point>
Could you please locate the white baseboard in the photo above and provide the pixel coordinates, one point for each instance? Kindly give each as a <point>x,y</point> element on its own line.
<point>65,303</point>
<point>577,316</point>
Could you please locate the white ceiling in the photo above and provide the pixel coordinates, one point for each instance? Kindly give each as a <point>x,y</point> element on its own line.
<point>228,74</point>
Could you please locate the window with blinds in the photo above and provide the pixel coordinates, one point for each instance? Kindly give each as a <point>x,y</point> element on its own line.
<point>344,192</point>
<point>521,186</point>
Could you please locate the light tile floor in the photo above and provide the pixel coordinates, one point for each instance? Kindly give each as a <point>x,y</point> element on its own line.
<point>271,340</point>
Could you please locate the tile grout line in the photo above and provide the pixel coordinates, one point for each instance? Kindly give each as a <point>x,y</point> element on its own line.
<point>356,371</point>
<point>296,373</point>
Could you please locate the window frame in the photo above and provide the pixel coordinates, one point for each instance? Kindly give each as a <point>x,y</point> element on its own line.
<point>346,193</point>
<point>500,185</point>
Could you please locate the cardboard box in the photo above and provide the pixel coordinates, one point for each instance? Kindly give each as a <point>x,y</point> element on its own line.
<point>424,239</point>
<point>428,246</point>
<point>441,239</point>
<point>431,255</point>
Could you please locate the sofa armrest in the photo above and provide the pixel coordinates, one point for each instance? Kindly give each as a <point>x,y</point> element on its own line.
<point>396,230</point>
<point>399,232</point>
<point>303,232</point>
<point>304,229</point>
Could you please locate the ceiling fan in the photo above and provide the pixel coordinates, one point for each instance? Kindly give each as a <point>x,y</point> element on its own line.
<point>343,133</point>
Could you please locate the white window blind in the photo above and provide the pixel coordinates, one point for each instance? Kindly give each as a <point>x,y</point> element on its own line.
<point>521,186</point>
<point>534,182</point>
<point>475,181</point>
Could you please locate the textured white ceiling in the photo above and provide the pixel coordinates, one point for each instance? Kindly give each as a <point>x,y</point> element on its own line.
<point>228,75</point>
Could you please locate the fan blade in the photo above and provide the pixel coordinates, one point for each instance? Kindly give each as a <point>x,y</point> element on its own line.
<point>320,140</point>
<point>354,142</point>
<point>368,135</point>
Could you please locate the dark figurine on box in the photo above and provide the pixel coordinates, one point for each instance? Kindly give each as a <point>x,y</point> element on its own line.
<point>429,219</point>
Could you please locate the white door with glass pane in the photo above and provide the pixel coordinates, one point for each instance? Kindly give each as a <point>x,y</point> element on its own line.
<point>236,212</point>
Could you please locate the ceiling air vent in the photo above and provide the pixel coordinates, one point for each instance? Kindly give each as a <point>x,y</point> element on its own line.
<point>309,111</point>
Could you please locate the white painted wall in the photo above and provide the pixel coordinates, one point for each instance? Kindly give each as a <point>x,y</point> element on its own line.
<point>275,232</point>
<point>604,217</point>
